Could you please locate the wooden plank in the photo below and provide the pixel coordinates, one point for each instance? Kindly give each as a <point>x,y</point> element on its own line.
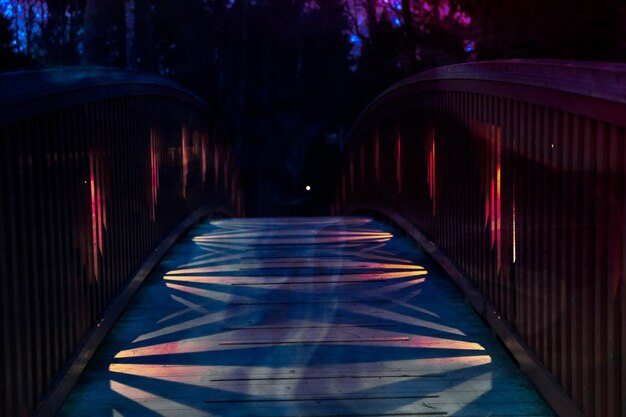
<point>574,259</point>
<point>587,354</point>
<point>5,278</point>
<point>25,264</point>
<point>615,231</point>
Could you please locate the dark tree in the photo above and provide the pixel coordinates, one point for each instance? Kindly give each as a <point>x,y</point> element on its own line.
<point>60,37</point>
<point>557,29</point>
<point>6,37</point>
<point>402,38</point>
<point>104,33</point>
<point>288,82</point>
<point>9,58</point>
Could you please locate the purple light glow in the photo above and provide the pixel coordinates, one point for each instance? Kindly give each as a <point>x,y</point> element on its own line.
<point>444,9</point>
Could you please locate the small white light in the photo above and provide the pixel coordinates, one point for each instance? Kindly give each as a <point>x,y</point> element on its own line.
<point>308,188</point>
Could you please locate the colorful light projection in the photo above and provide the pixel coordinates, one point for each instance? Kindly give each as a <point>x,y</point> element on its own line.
<point>216,163</point>
<point>155,163</point>
<point>351,172</point>
<point>226,169</point>
<point>514,230</point>
<point>205,151</point>
<point>432,169</point>
<point>234,195</point>
<point>378,371</point>
<point>99,190</point>
<point>395,338</point>
<point>377,156</point>
<point>321,222</point>
<point>327,237</point>
<point>185,160</point>
<point>399,160</point>
<point>362,161</point>
<point>491,136</point>
<point>196,147</point>
<point>152,407</point>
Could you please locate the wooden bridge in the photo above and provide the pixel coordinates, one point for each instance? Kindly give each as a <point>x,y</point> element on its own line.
<point>473,266</point>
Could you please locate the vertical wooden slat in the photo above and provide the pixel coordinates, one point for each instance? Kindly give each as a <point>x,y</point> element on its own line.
<point>519,189</point>
<point>615,229</point>
<point>52,245</point>
<point>587,268</point>
<point>117,211</point>
<point>599,252</point>
<point>574,259</point>
<point>563,275</point>
<point>39,243</point>
<point>517,289</point>
<point>474,195</point>
<point>73,311</point>
<point>506,187</point>
<point>5,290</point>
<point>59,218</point>
<point>25,257</point>
<point>15,368</point>
<point>546,237</point>
<point>531,230</point>
<point>554,223</point>
<point>621,293</point>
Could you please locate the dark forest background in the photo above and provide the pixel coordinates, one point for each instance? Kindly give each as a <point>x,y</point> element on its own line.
<point>287,78</point>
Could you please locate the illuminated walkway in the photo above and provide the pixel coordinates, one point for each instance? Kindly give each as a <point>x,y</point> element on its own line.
<point>300,317</point>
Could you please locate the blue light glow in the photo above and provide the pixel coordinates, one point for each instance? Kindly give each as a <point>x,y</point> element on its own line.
<point>27,21</point>
<point>395,21</point>
<point>470,45</point>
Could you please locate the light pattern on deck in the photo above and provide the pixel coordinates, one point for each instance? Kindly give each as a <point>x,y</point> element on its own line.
<point>300,317</point>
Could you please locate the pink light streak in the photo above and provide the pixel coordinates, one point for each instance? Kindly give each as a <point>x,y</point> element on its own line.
<point>399,161</point>
<point>94,217</point>
<point>154,174</point>
<point>216,164</point>
<point>204,151</point>
<point>432,172</point>
<point>514,233</point>
<point>97,188</point>
<point>185,161</point>
<point>377,156</point>
<point>362,161</point>
<point>351,172</point>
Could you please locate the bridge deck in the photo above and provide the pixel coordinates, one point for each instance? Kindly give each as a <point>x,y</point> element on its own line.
<point>300,317</point>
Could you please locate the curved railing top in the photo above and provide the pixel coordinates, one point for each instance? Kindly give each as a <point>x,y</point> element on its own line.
<point>552,83</point>
<point>24,94</point>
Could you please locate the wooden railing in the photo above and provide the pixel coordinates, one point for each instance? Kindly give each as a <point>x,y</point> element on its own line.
<point>516,171</point>
<point>97,168</point>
